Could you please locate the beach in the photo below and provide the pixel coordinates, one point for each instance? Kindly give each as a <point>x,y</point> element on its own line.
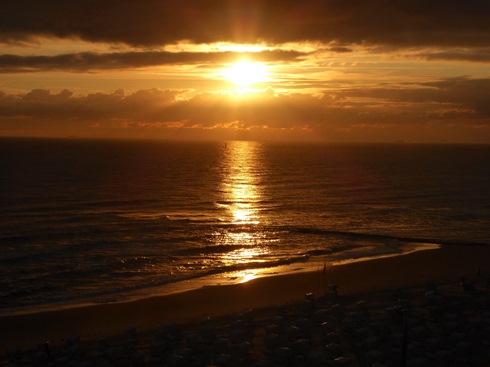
<point>358,280</point>
<point>268,183</point>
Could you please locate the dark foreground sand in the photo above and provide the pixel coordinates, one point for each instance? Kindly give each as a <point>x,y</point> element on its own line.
<point>362,280</point>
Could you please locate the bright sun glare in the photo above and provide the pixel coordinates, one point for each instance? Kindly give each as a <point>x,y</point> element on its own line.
<point>246,73</point>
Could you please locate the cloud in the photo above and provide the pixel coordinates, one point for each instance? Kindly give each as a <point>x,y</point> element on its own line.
<point>87,61</point>
<point>42,104</point>
<point>340,49</point>
<point>447,108</point>
<point>406,23</point>
<point>474,55</point>
<point>462,93</point>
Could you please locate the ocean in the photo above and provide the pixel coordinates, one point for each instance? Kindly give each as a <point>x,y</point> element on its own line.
<point>93,221</point>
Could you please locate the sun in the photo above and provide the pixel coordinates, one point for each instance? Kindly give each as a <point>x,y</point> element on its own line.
<point>246,73</point>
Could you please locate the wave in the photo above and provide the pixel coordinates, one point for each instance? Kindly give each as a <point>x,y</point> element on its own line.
<point>145,216</point>
<point>177,218</point>
<point>381,237</point>
<point>115,293</point>
<point>211,249</point>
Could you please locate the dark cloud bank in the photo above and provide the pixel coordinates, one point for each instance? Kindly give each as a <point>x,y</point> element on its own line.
<point>406,23</point>
<point>87,61</point>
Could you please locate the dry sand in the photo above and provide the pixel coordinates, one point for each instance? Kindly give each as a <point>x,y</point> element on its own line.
<point>361,278</point>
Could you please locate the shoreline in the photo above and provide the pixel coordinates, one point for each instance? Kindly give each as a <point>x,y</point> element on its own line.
<point>412,269</point>
<point>221,279</point>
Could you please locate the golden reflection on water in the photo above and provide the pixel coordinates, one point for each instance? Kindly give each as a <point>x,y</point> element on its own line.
<point>241,199</point>
<point>241,182</point>
<point>250,274</point>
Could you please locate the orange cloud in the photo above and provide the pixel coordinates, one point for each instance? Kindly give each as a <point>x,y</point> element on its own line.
<point>444,109</point>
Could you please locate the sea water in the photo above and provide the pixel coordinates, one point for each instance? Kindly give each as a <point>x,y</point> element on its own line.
<point>93,220</point>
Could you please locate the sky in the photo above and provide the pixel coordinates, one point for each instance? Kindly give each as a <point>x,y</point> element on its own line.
<point>282,70</point>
